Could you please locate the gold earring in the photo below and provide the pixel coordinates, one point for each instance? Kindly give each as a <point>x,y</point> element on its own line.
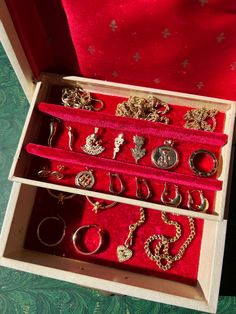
<point>175,202</point>
<point>204,204</point>
<point>111,185</point>
<point>58,174</point>
<point>139,193</point>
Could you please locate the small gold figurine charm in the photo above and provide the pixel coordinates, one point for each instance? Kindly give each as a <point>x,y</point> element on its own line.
<point>165,157</point>
<point>138,152</point>
<point>119,140</point>
<point>70,137</point>
<point>85,179</point>
<point>92,146</point>
<point>198,119</point>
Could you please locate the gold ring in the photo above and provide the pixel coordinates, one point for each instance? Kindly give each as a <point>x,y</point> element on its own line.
<point>200,172</point>
<point>77,234</point>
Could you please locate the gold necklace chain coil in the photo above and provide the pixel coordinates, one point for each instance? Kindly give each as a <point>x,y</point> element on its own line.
<point>161,251</point>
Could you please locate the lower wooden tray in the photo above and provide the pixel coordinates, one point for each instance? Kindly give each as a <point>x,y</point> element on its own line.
<point>203,296</point>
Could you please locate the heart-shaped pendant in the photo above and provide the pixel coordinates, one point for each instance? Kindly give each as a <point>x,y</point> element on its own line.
<point>123,253</point>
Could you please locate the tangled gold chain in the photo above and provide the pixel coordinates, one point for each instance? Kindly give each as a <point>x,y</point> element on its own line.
<point>77,97</point>
<point>150,108</point>
<point>161,251</point>
<point>133,227</point>
<point>197,119</point>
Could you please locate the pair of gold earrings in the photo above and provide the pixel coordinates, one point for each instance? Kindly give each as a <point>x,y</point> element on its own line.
<point>177,199</point>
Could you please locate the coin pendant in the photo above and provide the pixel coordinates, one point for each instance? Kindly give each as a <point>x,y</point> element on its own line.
<point>165,157</point>
<point>85,179</point>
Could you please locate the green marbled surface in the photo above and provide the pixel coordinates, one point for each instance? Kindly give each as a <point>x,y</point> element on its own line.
<point>26,293</point>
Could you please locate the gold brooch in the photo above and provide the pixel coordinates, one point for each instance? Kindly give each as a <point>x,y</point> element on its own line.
<point>198,119</point>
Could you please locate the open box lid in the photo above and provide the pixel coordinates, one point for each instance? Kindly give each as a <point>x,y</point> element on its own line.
<point>167,45</point>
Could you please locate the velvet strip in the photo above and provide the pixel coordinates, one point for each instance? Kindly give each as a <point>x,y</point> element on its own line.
<point>139,126</point>
<point>116,166</point>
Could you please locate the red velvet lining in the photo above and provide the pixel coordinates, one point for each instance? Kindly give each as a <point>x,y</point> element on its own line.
<point>43,31</point>
<point>134,43</point>
<point>139,126</point>
<point>174,45</point>
<point>115,166</point>
<point>77,212</point>
<point>124,164</point>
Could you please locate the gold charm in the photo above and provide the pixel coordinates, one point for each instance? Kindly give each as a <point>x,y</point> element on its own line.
<point>85,179</point>
<point>198,119</point>
<point>70,137</point>
<point>150,108</point>
<point>99,205</point>
<point>204,204</point>
<point>60,196</point>
<point>138,152</point>
<point>92,146</point>
<point>53,129</point>
<point>165,157</point>
<point>119,140</point>
<point>124,253</point>
<point>175,202</point>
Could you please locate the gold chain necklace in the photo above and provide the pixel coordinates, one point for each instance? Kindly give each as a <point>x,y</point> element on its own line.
<point>124,252</point>
<point>161,255</point>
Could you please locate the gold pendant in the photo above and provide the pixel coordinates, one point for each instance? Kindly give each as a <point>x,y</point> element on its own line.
<point>92,146</point>
<point>85,179</point>
<point>123,253</point>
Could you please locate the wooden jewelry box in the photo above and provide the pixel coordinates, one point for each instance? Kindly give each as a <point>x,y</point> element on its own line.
<point>193,280</point>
